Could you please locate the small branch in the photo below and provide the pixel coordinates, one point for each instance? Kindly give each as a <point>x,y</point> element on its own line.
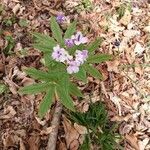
<point>55,122</point>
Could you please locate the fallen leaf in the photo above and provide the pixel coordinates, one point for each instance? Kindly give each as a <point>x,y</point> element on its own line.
<point>16,8</point>
<point>80,129</point>
<point>34,142</point>
<point>143,143</point>
<point>132,141</point>
<point>147,29</point>
<point>9,112</point>
<point>71,133</point>
<point>131,33</point>
<point>47,131</point>
<point>116,100</point>
<point>22,145</point>
<point>74,145</point>
<point>138,69</point>
<point>138,49</point>
<point>112,66</point>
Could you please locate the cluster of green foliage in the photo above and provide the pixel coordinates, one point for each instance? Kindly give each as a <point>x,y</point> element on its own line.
<point>100,132</point>
<point>56,82</point>
<point>84,5</point>
<point>123,7</point>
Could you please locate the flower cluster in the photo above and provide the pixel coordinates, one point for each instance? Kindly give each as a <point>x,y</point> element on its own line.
<point>76,40</point>
<point>60,18</point>
<point>73,62</point>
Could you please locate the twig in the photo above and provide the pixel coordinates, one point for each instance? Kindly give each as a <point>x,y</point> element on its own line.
<point>55,122</point>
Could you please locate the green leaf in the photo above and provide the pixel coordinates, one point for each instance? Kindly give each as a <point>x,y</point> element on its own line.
<point>34,88</point>
<point>2,88</point>
<point>86,143</point>
<point>98,58</point>
<point>94,45</point>
<point>56,31</point>
<point>63,92</point>
<point>81,75</point>
<point>43,42</point>
<point>45,38</point>
<point>48,61</point>
<point>43,47</point>
<point>38,74</point>
<point>93,71</point>
<point>70,30</point>
<point>23,22</point>
<point>73,90</point>
<point>46,102</point>
<point>10,45</point>
<point>65,98</point>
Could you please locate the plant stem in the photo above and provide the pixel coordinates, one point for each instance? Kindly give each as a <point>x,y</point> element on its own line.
<point>55,122</point>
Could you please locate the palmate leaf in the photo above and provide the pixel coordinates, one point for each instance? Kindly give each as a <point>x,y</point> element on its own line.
<point>98,58</point>
<point>34,88</point>
<point>48,61</point>
<point>43,47</point>
<point>81,75</point>
<point>63,92</point>
<point>46,102</point>
<point>38,74</point>
<point>73,90</point>
<point>93,71</point>
<point>43,42</point>
<point>56,31</point>
<point>94,45</point>
<point>65,98</point>
<point>70,30</point>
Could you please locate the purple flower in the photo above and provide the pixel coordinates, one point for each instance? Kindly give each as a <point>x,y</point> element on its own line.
<point>73,67</point>
<point>81,56</point>
<point>60,54</point>
<point>60,18</point>
<point>79,39</point>
<point>69,42</point>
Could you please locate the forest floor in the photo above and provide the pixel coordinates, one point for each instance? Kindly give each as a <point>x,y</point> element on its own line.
<point>125,89</point>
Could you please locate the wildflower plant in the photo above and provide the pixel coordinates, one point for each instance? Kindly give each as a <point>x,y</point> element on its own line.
<point>100,131</point>
<point>68,57</point>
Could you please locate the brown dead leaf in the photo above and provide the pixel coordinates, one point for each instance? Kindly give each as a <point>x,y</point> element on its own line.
<point>74,145</point>
<point>80,129</point>
<point>112,66</point>
<point>62,146</point>
<point>131,33</point>
<point>9,112</point>
<point>121,118</point>
<point>116,100</point>
<point>138,49</point>
<point>143,143</point>
<point>12,86</point>
<point>132,140</point>
<point>147,29</point>
<point>70,132</point>
<point>47,131</point>
<point>22,145</point>
<point>138,69</point>
<point>10,139</point>
<point>130,55</point>
<point>34,142</point>
<point>16,8</point>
